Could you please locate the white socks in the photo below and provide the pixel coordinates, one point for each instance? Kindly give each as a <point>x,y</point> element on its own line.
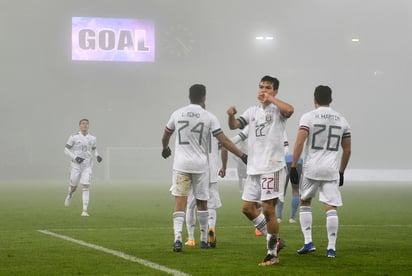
<point>85,197</point>
<point>178,219</point>
<point>305,217</point>
<point>332,224</point>
<point>212,218</point>
<point>203,218</point>
<point>191,223</point>
<point>260,223</point>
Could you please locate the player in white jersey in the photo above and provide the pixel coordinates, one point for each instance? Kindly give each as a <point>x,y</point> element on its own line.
<point>213,202</point>
<point>241,138</point>
<point>266,172</point>
<point>240,141</point>
<point>325,135</point>
<point>194,126</point>
<point>81,148</point>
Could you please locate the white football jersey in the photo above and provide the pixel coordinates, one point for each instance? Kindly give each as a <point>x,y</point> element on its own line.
<point>194,126</point>
<point>266,151</point>
<point>240,139</point>
<point>326,129</point>
<point>83,146</point>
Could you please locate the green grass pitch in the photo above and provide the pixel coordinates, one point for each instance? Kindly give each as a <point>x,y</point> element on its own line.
<point>134,219</point>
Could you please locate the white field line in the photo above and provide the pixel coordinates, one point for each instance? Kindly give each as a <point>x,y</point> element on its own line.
<point>116,253</point>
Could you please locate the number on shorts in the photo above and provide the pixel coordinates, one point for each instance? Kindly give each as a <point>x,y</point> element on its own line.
<point>269,183</point>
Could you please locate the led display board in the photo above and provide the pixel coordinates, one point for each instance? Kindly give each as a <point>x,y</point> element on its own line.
<point>113,39</point>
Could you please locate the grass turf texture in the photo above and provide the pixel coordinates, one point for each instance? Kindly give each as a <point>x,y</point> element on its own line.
<point>135,218</point>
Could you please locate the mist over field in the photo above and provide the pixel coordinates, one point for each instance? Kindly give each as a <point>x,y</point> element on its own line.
<point>361,49</point>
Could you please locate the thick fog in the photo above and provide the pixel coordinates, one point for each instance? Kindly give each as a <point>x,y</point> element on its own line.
<point>44,93</point>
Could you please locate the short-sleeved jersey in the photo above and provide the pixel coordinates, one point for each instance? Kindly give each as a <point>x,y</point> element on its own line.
<point>83,146</point>
<point>194,126</point>
<point>266,151</point>
<point>326,128</point>
<point>240,139</point>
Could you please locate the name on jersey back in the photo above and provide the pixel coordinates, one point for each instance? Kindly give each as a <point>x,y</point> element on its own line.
<point>191,114</point>
<point>328,117</point>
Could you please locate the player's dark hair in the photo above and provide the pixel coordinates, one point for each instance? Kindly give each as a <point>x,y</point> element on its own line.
<point>323,95</point>
<point>272,80</point>
<point>83,120</point>
<point>196,93</point>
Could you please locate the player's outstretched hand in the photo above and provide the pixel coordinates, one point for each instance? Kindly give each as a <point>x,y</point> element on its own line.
<point>79,159</point>
<point>99,158</point>
<point>166,153</point>
<point>341,179</point>
<point>294,176</point>
<point>244,158</point>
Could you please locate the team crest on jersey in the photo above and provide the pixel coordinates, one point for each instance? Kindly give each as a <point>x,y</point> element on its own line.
<point>268,117</point>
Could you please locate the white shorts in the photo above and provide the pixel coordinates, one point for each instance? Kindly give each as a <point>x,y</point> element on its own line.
<point>214,198</point>
<point>263,187</point>
<point>329,192</point>
<point>80,174</point>
<point>183,182</point>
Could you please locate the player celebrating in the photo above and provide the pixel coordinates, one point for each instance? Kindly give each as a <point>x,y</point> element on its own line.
<point>191,166</point>
<point>240,138</point>
<point>325,132</point>
<point>81,148</point>
<point>266,168</point>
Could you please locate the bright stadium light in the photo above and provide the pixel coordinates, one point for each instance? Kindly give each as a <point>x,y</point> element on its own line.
<point>265,38</point>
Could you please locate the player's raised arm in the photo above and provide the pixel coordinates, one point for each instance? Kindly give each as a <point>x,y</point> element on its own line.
<point>233,122</point>
<point>285,108</point>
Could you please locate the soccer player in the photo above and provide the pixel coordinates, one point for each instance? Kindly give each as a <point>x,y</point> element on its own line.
<point>326,135</point>
<point>213,202</point>
<point>295,192</point>
<point>194,126</point>
<point>240,138</point>
<point>266,168</point>
<point>240,141</point>
<point>81,148</point>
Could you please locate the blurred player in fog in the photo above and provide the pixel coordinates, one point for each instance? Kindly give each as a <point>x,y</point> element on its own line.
<point>240,141</point>
<point>81,148</point>
<point>295,192</point>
